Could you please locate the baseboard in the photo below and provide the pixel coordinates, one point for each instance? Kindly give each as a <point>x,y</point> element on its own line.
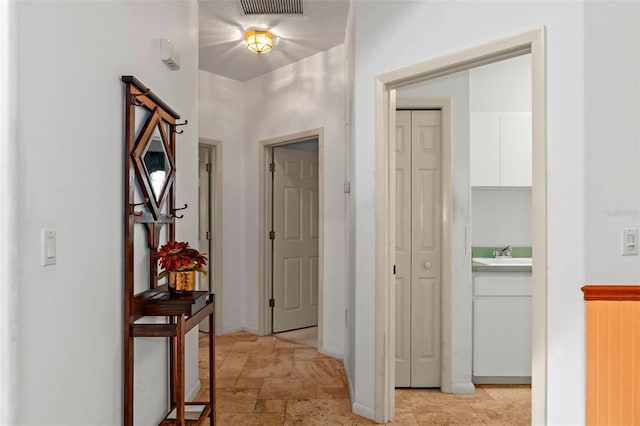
<point>232,330</point>
<point>240,328</point>
<point>502,380</point>
<point>357,408</point>
<point>251,330</point>
<point>349,385</point>
<point>191,395</point>
<point>463,388</point>
<point>363,411</point>
<point>332,352</point>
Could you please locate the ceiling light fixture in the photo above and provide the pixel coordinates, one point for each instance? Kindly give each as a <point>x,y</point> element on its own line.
<point>258,42</point>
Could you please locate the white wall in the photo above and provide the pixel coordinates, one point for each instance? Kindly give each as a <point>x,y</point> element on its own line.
<point>416,31</point>
<point>501,217</point>
<point>8,215</point>
<point>457,343</point>
<point>612,117</point>
<point>221,119</point>
<point>71,120</point>
<point>503,86</point>
<point>350,213</point>
<point>302,96</point>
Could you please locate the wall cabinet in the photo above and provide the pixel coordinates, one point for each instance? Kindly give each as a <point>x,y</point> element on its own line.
<point>502,327</point>
<point>500,148</point>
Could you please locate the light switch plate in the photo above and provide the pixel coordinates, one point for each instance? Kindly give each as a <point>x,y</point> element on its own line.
<point>630,242</point>
<point>49,247</point>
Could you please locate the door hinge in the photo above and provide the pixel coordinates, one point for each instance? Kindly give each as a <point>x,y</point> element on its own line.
<point>208,235</point>
<point>394,269</point>
<point>208,167</point>
<point>272,235</point>
<point>272,303</point>
<point>272,167</point>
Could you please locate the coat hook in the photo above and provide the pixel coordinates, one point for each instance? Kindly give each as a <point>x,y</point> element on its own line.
<point>181,124</point>
<point>133,205</point>
<point>173,212</point>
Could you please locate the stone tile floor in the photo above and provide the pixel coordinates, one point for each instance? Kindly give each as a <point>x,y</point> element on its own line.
<point>271,381</point>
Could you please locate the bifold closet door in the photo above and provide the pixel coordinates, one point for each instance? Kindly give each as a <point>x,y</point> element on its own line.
<point>418,239</point>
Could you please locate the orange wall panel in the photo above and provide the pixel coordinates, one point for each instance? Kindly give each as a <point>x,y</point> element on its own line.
<point>613,361</point>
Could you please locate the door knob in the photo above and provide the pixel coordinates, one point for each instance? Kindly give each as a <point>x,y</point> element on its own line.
<point>427,265</point>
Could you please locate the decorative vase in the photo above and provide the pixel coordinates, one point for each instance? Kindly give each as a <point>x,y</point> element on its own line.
<point>182,282</point>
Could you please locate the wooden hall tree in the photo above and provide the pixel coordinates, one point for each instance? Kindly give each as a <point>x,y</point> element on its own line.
<point>149,204</point>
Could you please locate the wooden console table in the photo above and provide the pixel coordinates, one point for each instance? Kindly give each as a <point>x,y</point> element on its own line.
<point>176,329</point>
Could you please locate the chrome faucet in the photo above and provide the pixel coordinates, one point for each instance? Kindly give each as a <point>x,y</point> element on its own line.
<point>505,252</point>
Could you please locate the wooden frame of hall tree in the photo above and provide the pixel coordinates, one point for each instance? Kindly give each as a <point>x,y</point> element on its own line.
<point>149,204</point>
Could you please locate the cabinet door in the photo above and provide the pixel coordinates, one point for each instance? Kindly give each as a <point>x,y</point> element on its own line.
<point>515,149</point>
<point>485,148</point>
<point>502,336</point>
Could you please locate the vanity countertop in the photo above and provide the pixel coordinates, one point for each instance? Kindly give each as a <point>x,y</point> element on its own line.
<point>479,267</point>
<point>483,260</point>
<point>504,264</point>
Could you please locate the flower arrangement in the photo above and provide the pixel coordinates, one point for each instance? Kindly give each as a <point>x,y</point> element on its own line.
<point>177,256</point>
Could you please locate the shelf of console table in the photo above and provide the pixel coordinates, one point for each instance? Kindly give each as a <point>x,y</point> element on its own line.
<point>170,419</point>
<point>183,315</point>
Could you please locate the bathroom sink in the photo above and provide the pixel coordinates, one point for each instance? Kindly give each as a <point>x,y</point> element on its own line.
<point>503,261</point>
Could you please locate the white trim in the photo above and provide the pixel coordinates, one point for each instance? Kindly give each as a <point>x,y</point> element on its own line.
<point>351,389</point>
<point>216,209</point>
<point>539,230</point>
<point>444,105</point>
<point>191,395</point>
<point>331,352</point>
<point>264,268</point>
<point>239,329</point>
<point>234,330</point>
<point>9,279</point>
<point>463,387</point>
<point>249,330</point>
<point>362,410</point>
<point>528,42</point>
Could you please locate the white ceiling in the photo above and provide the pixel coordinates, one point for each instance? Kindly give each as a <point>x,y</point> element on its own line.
<point>223,23</point>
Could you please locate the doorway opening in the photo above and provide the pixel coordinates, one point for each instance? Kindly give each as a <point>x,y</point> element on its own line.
<point>290,234</point>
<point>531,42</point>
<point>210,222</point>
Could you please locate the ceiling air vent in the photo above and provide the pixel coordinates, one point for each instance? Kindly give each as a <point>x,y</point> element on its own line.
<point>272,7</point>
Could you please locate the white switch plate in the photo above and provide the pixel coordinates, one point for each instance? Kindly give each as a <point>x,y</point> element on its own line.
<point>49,247</point>
<point>630,242</point>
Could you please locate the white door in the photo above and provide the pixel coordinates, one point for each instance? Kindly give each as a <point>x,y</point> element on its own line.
<point>295,245</point>
<point>418,235</point>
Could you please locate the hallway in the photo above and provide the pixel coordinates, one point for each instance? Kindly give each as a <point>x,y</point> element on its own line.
<point>271,381</point>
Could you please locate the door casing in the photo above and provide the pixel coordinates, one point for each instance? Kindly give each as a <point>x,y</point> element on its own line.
<point>264,210</point>
<point>215,255</point>
<point>532,42</point>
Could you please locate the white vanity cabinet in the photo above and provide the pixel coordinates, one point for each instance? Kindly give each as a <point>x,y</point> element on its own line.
<point>500,148</point>
<point>502,327</point>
